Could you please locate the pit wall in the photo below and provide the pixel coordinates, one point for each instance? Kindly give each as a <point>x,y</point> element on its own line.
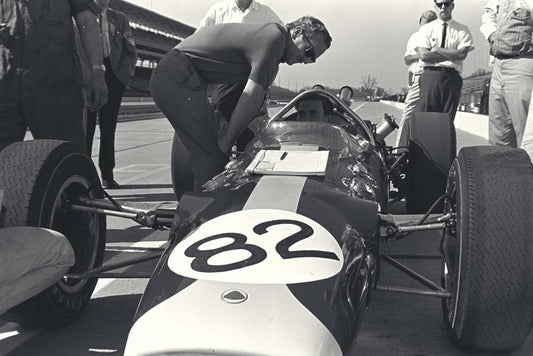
<point>475,124</point>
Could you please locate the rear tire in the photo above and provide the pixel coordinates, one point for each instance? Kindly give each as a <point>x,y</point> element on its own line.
<point>432,148</point>
<point>180,166</point>
<point>489,255</point>
<point>40,177</point>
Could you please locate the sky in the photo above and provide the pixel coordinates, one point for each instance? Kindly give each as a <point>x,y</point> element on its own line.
<point>369,37</point>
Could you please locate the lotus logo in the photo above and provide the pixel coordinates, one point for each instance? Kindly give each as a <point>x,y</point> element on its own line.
<point>234,296</point>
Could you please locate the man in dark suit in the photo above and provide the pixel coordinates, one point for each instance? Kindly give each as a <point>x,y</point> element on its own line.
<point>120,57</point>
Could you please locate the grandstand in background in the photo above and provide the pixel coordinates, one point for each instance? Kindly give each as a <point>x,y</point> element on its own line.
<point>154,36</point>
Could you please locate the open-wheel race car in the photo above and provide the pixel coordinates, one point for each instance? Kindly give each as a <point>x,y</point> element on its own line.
<point>281,253</point>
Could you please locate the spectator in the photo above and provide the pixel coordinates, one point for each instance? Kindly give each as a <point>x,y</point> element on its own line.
<point>40,79</point>
<point>119,57</point>
<point>227,53</point>
<point>443,44</point>
<point>238,11</point>
<point>411,58</point>
<point>225,96</point>
<point>484,101</point>
<point>507,27</point>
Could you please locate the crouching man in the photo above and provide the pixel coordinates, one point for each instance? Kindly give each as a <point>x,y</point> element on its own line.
<point>31,260</point>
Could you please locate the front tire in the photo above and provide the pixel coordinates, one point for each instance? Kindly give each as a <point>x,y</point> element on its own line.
<point>40,178</point>
<point>488,256</point>
<point>432,148</point>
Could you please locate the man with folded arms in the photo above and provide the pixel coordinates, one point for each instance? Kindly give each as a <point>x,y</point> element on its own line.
<point>443,45</point>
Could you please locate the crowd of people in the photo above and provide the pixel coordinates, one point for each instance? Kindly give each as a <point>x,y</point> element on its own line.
<point>238,46</point>
<point>435,54</point>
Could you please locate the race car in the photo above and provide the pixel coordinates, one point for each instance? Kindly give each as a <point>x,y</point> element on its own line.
<point>280,253</point>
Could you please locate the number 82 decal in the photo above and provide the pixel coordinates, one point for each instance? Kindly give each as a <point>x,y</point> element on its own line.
<point>286,248</point>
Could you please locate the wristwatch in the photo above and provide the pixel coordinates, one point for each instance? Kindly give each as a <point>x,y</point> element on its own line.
<point>98,66</point>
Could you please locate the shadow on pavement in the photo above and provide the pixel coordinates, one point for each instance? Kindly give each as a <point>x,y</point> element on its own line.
<point>100,313</point>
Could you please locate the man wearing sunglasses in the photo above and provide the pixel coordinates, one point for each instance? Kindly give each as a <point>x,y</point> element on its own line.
<point>442,45</point>
<point>508,27</point>
<point>227,53</point>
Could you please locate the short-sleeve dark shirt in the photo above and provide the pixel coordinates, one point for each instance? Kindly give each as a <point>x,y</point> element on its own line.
<point>41,39</point>
<point>235,52</point>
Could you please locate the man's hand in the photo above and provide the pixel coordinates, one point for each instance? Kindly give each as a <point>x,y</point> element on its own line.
<point>4,33</point>
<point>97,90</point>
<point>224,143</point>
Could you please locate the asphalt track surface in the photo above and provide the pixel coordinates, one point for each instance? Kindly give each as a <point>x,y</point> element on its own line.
<point>394,324</point>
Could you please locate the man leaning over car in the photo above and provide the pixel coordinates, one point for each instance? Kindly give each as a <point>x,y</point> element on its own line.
<point>227,53</point>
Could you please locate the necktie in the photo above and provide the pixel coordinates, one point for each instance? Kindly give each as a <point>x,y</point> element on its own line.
<point>443,40</point>
<point>104,31</point>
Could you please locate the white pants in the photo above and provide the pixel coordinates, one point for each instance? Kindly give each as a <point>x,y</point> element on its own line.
<point>411,100</point>
<point>527,137</point>
<point>31,260</point>
<point>510,95</point>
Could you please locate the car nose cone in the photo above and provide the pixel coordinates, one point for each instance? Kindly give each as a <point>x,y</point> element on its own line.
<point>234,296</point>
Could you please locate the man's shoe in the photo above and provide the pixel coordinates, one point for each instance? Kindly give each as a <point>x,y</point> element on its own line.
<point>109,183</point>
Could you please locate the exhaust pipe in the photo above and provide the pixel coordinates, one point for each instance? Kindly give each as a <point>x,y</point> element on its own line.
<point>385,127</point>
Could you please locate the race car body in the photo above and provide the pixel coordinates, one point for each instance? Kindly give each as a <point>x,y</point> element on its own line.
<point>270,263</point>
<point>278,255</point>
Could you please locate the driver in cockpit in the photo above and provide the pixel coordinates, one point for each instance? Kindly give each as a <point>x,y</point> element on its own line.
<point>314,108</point>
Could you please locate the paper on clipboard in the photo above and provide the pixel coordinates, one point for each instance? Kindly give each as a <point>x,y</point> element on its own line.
<point>289,162</point>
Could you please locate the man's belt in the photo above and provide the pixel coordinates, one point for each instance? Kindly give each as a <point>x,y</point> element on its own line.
<point>440,69</point>
<point>506,56</point>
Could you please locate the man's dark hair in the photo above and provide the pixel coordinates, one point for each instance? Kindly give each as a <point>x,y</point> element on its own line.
<point>310,25</point>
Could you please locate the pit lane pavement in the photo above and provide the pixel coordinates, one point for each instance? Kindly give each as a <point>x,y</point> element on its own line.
<point>394,324</point>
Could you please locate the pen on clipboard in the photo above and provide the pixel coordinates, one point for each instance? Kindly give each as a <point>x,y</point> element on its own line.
<point>283,156</point>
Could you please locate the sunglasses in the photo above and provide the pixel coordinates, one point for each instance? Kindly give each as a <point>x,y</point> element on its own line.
<point>309,52</point>
<point>443,4</point>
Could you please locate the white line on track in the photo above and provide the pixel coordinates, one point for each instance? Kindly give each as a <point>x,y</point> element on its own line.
<point>145,174</point>
<point>12,335</point>
<point>360,106</point>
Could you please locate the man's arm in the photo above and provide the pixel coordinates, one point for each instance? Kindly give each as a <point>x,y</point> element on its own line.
<point>129,45</point>
<point>488,19</point>
<point>92,45</point>
<point>247,108</point>
<point>411,58</point>
<point>452,54</point>
<point>429,55</point>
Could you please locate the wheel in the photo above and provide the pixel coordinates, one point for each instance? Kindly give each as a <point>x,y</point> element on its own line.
<point>432,148</point>
<point>40,177</point>
<point>180,166</point>
<point>488,256</point>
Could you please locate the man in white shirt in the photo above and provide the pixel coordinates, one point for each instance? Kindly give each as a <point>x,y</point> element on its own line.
<point>238,11</point>
<point>411,58</point>
<point>225,96</point>
<point>443,44</point>
<point>508,27</point>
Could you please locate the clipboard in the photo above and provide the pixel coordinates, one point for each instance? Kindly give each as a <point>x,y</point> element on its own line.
<point>292,162</point>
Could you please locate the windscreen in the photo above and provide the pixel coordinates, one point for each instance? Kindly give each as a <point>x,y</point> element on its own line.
<point>324,135</point>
